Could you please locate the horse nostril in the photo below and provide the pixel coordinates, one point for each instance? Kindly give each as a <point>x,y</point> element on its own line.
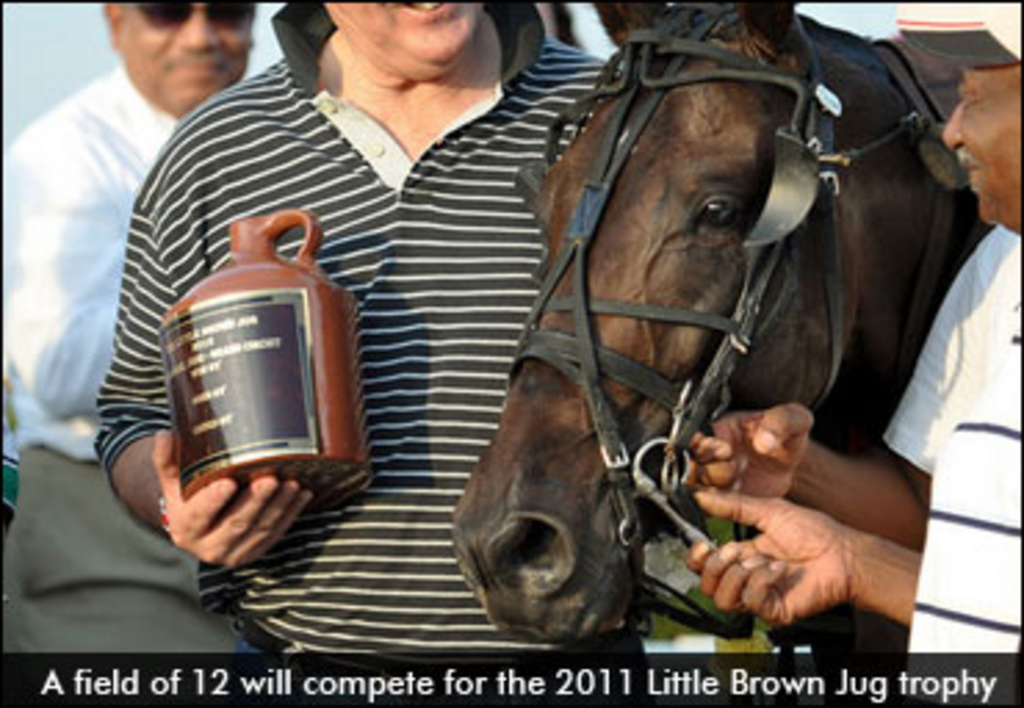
<point>533,554</point>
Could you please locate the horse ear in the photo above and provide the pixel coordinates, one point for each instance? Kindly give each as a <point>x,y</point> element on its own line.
<point>621,18</point>
<point>767,25</point>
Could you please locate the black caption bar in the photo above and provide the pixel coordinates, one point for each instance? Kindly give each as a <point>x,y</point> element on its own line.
<point>547,679</point>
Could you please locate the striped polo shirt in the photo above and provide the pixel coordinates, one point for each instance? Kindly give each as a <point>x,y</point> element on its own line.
<point>442,267</point>
<point>969,591</point>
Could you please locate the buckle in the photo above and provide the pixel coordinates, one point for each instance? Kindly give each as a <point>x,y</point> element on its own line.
<point>740,342</point>
<point>617,462</point>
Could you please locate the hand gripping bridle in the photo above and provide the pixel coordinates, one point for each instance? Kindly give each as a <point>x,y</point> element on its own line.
<point>804,177</point>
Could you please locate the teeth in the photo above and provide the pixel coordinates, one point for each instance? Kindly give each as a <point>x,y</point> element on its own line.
<point>424,6</point>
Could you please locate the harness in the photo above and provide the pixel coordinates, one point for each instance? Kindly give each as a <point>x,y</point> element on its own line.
<point>805,176</point>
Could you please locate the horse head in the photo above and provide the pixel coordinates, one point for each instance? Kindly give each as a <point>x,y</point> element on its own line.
<point>696,256</point>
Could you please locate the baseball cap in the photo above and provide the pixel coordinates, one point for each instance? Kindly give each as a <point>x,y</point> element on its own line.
<point>967,34</point>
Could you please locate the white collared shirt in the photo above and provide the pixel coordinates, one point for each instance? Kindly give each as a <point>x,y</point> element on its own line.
<point>969,591</point>
<point>69,183</point>
<point>959,421</point>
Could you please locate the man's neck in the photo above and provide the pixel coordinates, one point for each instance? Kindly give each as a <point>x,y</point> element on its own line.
<point>414,112</point>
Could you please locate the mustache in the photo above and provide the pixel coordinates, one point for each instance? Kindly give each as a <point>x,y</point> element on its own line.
<point>969,165</point>
<point>202,58</point>
<point>967,160</point>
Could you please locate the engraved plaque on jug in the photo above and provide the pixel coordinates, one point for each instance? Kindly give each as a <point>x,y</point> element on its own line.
<point>262,369</point>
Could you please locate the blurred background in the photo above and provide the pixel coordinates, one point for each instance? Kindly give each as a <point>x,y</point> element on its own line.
<point>52,49</point>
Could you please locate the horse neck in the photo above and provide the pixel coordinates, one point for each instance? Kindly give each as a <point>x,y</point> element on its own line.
<point>899,235</point>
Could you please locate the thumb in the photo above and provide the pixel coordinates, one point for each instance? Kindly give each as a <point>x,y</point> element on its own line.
<point>779,425</point>
<point>744,509</point>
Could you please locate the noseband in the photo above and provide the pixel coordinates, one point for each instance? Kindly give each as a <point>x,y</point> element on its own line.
<point>804,178</point>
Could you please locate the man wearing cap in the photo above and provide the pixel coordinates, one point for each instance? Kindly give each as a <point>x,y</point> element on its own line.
<point>963,593</point>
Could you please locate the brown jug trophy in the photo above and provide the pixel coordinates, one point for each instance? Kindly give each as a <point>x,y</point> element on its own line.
<point>262,369</point>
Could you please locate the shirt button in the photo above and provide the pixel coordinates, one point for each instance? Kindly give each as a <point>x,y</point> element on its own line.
<point>327,106</point>
<point>377,150</point>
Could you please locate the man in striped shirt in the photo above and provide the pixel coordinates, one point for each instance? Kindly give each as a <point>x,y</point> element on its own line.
<point>963,594</point>
<point>401,126</point>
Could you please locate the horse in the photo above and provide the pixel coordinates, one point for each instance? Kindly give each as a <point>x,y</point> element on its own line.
<point>737,215</point>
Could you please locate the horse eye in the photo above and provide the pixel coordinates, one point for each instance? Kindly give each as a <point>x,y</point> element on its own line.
<point>718,214</point>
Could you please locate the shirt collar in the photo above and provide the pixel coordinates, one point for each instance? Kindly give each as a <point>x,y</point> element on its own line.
<point>303,28</point>
<point>150,123</point>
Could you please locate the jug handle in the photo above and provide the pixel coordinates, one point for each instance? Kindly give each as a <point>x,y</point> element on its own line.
<point>257,235</point>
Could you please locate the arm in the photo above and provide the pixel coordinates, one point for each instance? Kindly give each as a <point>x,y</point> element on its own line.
<point>876,492</point>
<point>135,481</point>
<point>885,577</point>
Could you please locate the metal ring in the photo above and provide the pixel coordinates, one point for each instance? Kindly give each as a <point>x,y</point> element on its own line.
<point>627,532</point>
<point>640,477</point>
<point>687,465</point>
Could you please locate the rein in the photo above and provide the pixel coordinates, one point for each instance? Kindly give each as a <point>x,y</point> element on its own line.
<point>804,177</point>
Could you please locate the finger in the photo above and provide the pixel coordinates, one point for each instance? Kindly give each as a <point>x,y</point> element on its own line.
<point>729,426</point>
<point>195,517</point>
<point>697,557</point>
<point>714,463</point>
<point>748,510</point>
<point>716,566</point>
<point>730,586</point>
<point>277,508</point>
<point>781,426</point>
<point>280,528</point>
<point>763,593</point>
<point>722,475</point>
<point>242,513</point>
<point>705,448</point>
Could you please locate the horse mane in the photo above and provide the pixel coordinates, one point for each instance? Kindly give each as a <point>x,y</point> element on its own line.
<point>853,48</point>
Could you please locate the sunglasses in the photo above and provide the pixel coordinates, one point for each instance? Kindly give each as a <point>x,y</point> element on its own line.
<point>170,15</point>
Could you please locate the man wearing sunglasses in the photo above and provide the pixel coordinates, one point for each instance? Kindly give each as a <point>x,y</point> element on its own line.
<point>81,575</point>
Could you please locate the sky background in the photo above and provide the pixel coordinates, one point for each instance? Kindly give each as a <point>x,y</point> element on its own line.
<point>52,49</point>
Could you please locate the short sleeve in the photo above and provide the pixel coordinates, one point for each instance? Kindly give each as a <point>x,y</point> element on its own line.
<point>958,357</point>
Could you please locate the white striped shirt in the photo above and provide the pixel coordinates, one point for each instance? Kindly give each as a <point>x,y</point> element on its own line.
<point>442,270</point>
<point>969,591</point>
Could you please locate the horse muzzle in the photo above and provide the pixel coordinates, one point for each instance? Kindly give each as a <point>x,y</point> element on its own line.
<point>538,578</point>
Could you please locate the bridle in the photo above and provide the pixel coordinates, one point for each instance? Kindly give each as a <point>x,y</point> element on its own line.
<point>804,177</point>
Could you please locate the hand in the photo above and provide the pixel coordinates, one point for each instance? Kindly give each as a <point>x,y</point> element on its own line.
<point>753,453</point>
<point>221,524</point>
<point>800,565</point>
